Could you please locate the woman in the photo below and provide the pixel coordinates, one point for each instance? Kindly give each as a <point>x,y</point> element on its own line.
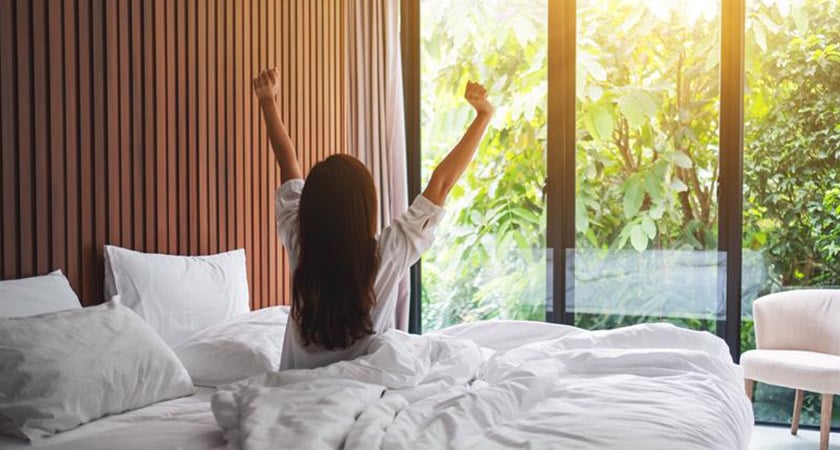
<point>344,287</point>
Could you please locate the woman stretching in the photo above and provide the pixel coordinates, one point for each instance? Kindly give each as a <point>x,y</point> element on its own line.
<point>344,287</point>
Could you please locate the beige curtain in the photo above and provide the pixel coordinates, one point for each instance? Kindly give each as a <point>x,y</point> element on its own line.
<point>376,126</point>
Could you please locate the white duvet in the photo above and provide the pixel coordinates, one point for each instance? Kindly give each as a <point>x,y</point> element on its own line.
<point>642,387</point>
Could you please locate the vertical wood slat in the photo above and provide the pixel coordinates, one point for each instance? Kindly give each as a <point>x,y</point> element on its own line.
<point>24,121</point>
<point>72,162</point>
<point>149,99</point>
<point>40,129</point>
<point>283,51</point>
<point>240,92</point>
<point>133,98</point>
<point>8,105</point>
<point>260,160</point>
<point>191,61</point>
<point>148,135</point>
<point>261,196</point>
<point>87,212</point>
<point>249,68</point>
<point>56,149</point>
<point>272,267</point>
<point>201,119</point>
<point>136,105</point>
<point>229,197</point>
<point>172,126</point>
<point>181,150</point>
<point>288,102</point>
<point>126,222</point>
<point>113,131</point>
<point>160,126</point>
<point>99,125</point>
<point>210,33</point>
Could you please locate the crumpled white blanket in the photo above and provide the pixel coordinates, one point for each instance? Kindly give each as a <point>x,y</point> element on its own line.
<point>651,386</point>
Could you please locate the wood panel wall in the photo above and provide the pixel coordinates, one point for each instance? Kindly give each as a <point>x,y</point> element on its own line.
<point>132,123</point>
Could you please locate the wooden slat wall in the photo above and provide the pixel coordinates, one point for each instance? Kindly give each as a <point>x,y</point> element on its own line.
<point>131,122</point>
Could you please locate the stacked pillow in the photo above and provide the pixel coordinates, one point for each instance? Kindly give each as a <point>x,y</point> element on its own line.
<point>178,295</point>
<point>37,295</point>
<point>69,365</point>
<point>172,322</point>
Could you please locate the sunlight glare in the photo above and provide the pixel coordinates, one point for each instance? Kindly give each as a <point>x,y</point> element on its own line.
<point>687,11</point>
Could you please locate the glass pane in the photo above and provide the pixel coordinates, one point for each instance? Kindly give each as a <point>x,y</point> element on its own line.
<point>647,165</point>
<point>488,260</point>
<point>791,155</point>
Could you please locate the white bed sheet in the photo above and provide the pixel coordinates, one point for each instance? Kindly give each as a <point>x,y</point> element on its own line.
<point>184,423</point>
<point>563,387</point>
<point>643,387</point>
<point>500,335</point>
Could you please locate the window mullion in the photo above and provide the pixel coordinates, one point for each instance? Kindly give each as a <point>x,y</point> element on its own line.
<point>730,188</point>
<point>562,37</point>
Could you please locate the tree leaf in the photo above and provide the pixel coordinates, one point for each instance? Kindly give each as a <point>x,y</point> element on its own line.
<point>638,238</point>
<point>634,195</point>
<point>653,185</point>
<point>760,35</point>
<point>599,123</point>
<point>681,160</point>
<point>649,227</point>
<point>657,211</point>
<point>677,185</point>
<point>581,216</point>
<point>800,17</point>
<point>637,106</point>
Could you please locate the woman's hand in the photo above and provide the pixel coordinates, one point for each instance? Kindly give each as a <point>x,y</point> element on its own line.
<point>267,84</point>
<point>266,87</point>
<point>477,96</point>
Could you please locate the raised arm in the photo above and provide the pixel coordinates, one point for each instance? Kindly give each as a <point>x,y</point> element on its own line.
<point>266,86</point>
<point>452,167</point>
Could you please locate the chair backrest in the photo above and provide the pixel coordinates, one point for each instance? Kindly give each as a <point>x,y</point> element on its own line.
<point>807,319</point>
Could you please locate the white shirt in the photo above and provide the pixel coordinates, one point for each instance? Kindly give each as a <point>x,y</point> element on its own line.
<point>400,246</point>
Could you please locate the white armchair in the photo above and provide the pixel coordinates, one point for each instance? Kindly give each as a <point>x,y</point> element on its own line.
<point>797,337</point>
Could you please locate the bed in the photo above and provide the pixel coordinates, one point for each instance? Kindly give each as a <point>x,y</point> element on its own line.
<point>484,385</point>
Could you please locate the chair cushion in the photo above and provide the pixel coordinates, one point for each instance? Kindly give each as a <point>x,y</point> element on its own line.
<point>809,371</point>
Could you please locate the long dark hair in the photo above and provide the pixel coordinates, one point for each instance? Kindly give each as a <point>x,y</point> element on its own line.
<point>332,289</point>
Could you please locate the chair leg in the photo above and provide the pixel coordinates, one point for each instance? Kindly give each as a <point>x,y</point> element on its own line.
<point>825,420</point>
<point>797,411</point>
<point>749,386</point>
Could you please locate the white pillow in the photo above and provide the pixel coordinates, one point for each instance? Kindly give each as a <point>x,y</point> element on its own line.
<point>180,295</point>
<point>60,370</point>
<point>37,295</point>
<point>247,345</point>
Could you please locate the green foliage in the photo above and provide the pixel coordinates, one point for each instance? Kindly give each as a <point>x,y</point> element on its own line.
<point>647,115</point>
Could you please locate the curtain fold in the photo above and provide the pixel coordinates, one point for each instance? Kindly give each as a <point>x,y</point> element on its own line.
<point>376,125</point>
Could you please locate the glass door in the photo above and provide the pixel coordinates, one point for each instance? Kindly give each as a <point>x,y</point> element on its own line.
<point>489,258</point>
<point>647,165</point>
